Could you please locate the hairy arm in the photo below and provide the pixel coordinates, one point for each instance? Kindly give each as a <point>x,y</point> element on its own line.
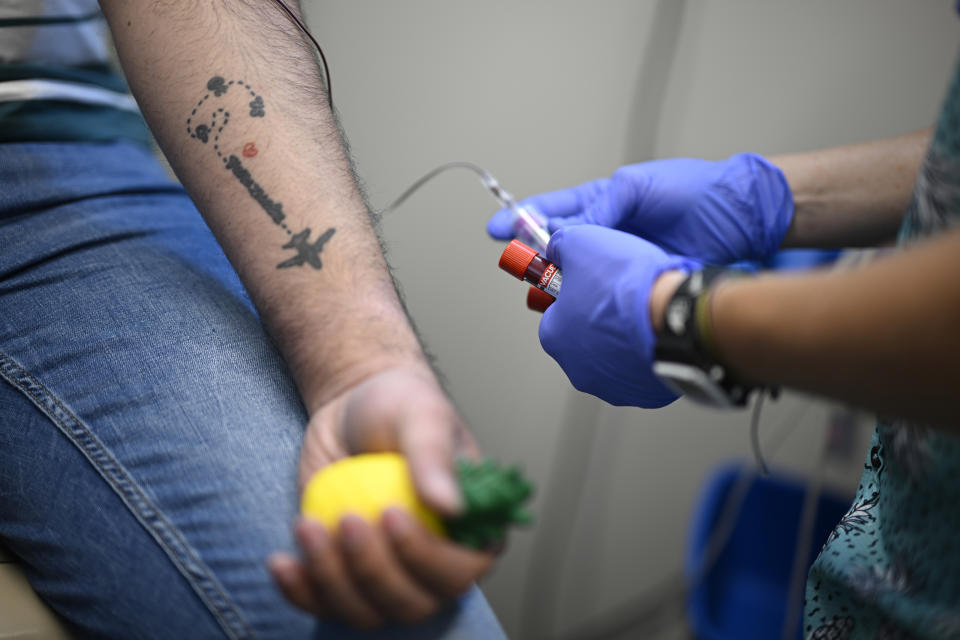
<point>235,99</point>
<point>234,96</point>
<point>851,196</point>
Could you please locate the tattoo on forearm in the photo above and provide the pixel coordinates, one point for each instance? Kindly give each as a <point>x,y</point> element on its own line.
<point>307,252</point>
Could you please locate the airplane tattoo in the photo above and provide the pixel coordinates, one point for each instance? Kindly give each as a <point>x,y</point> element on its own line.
<point>211,131</point>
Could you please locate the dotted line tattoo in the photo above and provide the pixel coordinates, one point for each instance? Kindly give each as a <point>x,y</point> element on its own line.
<point>208,130</point>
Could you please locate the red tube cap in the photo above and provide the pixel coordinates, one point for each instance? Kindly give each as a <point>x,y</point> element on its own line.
<point>539,300</point>
<point>516,258</point>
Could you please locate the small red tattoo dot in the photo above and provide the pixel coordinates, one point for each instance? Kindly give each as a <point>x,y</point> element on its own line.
<point>250,150</point>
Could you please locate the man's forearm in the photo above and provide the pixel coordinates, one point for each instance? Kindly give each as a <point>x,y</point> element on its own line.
<point>883,336</point>
<point>852,196</point>
<point>235,99</point>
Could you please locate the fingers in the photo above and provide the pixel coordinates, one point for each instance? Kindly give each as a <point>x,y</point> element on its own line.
<point>500,225</point>
<point>409,413</point>
<point>368,576</point>
<point>444,568</point>
<point>397,411</point>
<point>333,588</point>
<point>568,202</point>
<point>429,447</point>
<point>599,204</point>
<point>555,249</point>
<point>359,575</point>
<point>562,207</point>
<point>295,583</point>
<point>379,576</point>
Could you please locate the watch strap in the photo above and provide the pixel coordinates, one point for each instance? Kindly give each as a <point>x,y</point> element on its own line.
<point>686,320</point>
<point>703,334</point>
<point>686,337</point>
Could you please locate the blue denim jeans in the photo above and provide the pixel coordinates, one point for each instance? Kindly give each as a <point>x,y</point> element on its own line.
<point>149,431</point>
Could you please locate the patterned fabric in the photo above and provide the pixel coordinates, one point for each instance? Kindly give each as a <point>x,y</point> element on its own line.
<point>56,83</point>
<point>891,568</point>
<point>61,33</point>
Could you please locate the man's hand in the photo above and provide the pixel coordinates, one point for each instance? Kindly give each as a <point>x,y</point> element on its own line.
<point>370,575</point>
<point>715,212</point>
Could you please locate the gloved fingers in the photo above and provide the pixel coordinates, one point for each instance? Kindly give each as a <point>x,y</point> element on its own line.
<point>550,334</point>
<point>504,225</point>
<point>560,207</point>
<point>590,244</point>
<point>599,329</point>
<point>602,211</point>
<point>555,251</point>
<point>621,197</point>
<point>584,244</point>
<point>568,202</point>
<point>501,225</point>
<point>581,243</point>
<point>620,205</point>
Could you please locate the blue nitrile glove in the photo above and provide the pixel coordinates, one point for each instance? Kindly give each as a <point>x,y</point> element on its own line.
<point>599,329</point>
<point>717,212</point>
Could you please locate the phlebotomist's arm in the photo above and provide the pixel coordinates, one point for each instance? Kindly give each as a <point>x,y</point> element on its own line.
<point>882,336</point>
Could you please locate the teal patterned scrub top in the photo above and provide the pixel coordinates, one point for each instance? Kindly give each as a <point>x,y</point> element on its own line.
<point>891,569</point>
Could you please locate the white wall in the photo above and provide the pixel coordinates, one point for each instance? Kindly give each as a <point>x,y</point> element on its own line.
<point>546,94</point>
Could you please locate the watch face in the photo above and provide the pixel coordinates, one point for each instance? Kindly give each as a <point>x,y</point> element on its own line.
<point>678,312</point>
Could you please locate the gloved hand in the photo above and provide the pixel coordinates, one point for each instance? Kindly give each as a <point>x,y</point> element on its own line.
<point>599,329</point>
<point>717,212</point>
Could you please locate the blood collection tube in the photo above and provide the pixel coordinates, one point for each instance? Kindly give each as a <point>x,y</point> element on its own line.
<point>538,300</point>
<point>524,263</point>
<point>530,227</point>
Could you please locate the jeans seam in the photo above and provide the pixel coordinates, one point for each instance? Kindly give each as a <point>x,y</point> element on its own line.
<point>165,534</point>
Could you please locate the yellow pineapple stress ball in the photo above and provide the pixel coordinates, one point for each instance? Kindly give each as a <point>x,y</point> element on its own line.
<point>369,483</point>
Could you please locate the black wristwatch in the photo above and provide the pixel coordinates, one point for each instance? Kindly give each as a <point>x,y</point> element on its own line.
<point>683,359</point>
